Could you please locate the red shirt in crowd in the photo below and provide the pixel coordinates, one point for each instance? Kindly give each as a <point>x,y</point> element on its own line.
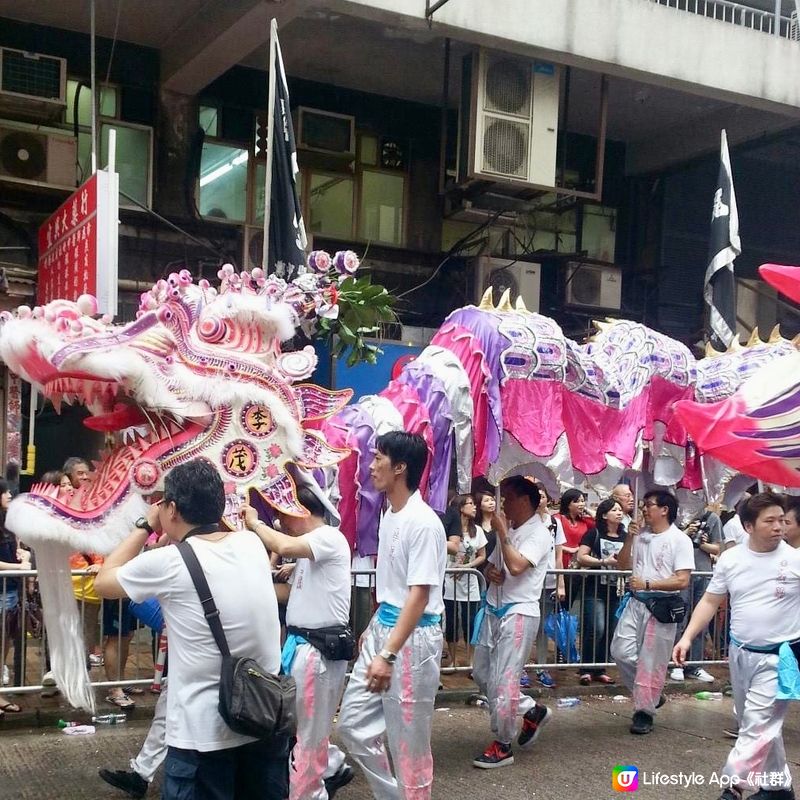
<point>574,532</point>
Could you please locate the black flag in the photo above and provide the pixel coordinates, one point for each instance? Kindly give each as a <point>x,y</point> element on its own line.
<point>724,246</point>
<point>287,233</point>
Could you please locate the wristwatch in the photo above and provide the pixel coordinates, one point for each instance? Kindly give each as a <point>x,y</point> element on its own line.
<point>647,586</point>
<point>388,656</point>
<point>144,525</point>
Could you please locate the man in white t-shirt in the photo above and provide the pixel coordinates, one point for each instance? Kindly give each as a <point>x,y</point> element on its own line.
<point>393,685</point>
<point>733,532</point>
<point>205,758</point>
<point>662,560</point>
<point>509,618</point>
<point>762,577</point>
<point>319,597</point>
<point>623,494</point>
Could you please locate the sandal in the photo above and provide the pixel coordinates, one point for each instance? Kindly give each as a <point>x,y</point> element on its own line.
<point>133,690</point>
<point>603,678</point>
<point>120,700</point>
<point>585,679</point>
<point>10,708</point>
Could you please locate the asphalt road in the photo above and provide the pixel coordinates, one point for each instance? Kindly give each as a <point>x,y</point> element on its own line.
<point>573,759</point>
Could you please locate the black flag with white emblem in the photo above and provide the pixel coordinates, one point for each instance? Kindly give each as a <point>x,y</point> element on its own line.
<point>724,246</point>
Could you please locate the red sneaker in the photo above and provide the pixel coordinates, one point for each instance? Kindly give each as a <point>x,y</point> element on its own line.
<point>496,754</point>
<point>532,724</point>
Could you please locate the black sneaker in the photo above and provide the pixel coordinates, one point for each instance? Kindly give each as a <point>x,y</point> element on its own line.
<point>661,701</point>
<point>532,724</point>
<point>731,794</point>
<point>340,778</point>
<point>772,794</point>
<point>130,783</point>
<point>642,723</point>
<point>496,755</point>
<point>731,732</point>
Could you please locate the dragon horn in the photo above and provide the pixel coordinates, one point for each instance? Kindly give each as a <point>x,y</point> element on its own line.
<point>520,305</point>
<point>775,336</point>
<point>505,302</point>
<point>486,303</point>
<point>755,338</point>
<point>711,352</point>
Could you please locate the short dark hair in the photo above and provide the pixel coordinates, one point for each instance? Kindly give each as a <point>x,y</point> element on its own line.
<point>406,448</point>
<point>53,477</point>
<point>310,501</point>
<point>197,491</point>
<point>792,503</point>
<point>757,503</point>
<point>73,462</point>
<point>570,496</point>
<point>602,510</point>
<point>664,499</point>
<point>522,487</point>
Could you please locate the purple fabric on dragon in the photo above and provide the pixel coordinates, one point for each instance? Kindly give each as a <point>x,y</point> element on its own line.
<point>484,326</point>
<point>432,392</point>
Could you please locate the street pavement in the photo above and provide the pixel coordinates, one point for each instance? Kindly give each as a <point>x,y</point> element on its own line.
<point>573,758</point>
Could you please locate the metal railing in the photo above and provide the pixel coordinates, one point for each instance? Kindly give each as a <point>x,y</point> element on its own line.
<point>736,14</point>
<point>589,600</point>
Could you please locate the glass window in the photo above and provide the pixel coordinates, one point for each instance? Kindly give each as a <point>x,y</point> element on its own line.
<point>259,190</point>
<point>132,160</point>
<point>598,232</point>
<point>382,207</point>
<point>223,182</point>
<point>108,103</point>
<point>330,204</point>
<point>369,150</point>
<point>209,120</point>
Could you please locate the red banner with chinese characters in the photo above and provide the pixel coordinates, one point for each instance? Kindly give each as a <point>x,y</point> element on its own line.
<point>68,248</point>
<point>78,245</point>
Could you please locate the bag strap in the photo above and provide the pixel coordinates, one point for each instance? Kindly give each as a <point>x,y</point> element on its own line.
<point>204,593</point>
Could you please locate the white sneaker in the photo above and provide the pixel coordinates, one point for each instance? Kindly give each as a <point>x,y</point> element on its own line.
<point>676,675</point>
<point>702,675</point>
<point>6,675</point>
<point>48,679</point>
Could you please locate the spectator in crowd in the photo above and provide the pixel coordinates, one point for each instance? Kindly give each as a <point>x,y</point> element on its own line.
<point>662,564</point>
<point>118,627</point>
<point>575,522</point>
<point>733,531</point>
<point>467,550</point>
<point>705,533</point>
<point>389,698</point>
<point>486,507</point>
<point>319,599</point>
<point>12,557</point>
<point>791,521</point>
<point>78,471</point>
<point>762,578</point>
<point>89,602</point>
<point>205,758</point>
<point>554,585</point>
<point>598,550</point>
<point>623,494</point>
<point>506,629</point>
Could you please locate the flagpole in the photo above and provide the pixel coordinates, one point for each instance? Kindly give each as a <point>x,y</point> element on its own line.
<point>273,42</point>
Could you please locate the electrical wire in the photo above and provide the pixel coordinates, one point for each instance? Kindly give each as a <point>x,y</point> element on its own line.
<point>113,43</point>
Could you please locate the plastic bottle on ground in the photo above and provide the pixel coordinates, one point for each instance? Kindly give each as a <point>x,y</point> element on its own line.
<point>110,719</point>
<point>64,724</point>
<point>708,695</point>
<point>569,702</point>
<point>78,730</point>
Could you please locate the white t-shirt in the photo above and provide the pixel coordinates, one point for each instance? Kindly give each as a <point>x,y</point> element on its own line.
<point>412,551</point>
<point>661,555</point>
<point>238,573</point>
<point>558,539</point>
<point>466,586</point>
<point>534,542</point>
<point>765,593</point>
<point>733,530</point>
<point>320,593</point>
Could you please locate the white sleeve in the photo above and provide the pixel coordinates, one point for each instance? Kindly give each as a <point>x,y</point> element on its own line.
<point>683,554</point>
<point>425,540</point>
<point>560,537</point>
<point>481,540</point>
<point>536,548</point>
<point>150,574</point>
<point>322,542</point>
<point>719,580</point>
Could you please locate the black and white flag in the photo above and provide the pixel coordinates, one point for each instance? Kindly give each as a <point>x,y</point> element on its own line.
<point>724,245</point>
<point>287,233</point>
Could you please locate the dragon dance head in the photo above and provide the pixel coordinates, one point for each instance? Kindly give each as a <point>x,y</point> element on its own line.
<point>199,373</point>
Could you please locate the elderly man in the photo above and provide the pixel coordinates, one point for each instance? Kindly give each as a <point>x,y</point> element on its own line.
<point>623,494</point>
<point>662,559</point>
<point>205,758</point>
<point>762,577</point>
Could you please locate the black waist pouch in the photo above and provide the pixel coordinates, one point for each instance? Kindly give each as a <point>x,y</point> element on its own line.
<point>336,643</point>
<point>669,608</point>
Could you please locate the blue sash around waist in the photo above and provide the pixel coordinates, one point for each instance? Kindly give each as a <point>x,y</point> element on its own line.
<point>389,614</point>
<point>640,596</point>
<point>480,615</point>
<point>290,651</point>
<point>788,670</point>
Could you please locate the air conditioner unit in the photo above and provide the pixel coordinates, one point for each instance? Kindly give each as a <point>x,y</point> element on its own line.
<point>253,249</point>
<point>508,128</point>
<point>32,85</point>
<point>523,278</point>
<point>325,136</point>
<point>29,155</point>
<point>593,286</point>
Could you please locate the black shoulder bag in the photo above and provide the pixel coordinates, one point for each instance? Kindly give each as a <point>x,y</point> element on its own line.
<point>252,701</point>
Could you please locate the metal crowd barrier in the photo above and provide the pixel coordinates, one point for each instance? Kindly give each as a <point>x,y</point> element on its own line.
<point>592,603</point>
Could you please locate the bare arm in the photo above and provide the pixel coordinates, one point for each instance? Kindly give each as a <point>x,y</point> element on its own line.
<point>452,545</point>
<point>624,557</point>
<point>677,581</point>
<point>105,583</point>
<point>480,557</point>
<point>514,561</point>
<point>280,543</point>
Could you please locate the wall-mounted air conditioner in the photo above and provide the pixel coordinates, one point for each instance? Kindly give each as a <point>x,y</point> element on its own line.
<point>523,278</point>
<point>323,136</point>
<point>593,286</point>
<point>32,156</point>
<point>32,85</point>
<point>508,127</point>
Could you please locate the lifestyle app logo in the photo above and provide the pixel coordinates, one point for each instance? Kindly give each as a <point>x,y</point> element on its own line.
<point>625,778</point>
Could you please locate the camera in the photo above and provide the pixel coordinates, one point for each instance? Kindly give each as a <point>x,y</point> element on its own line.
<point>702,528</point>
